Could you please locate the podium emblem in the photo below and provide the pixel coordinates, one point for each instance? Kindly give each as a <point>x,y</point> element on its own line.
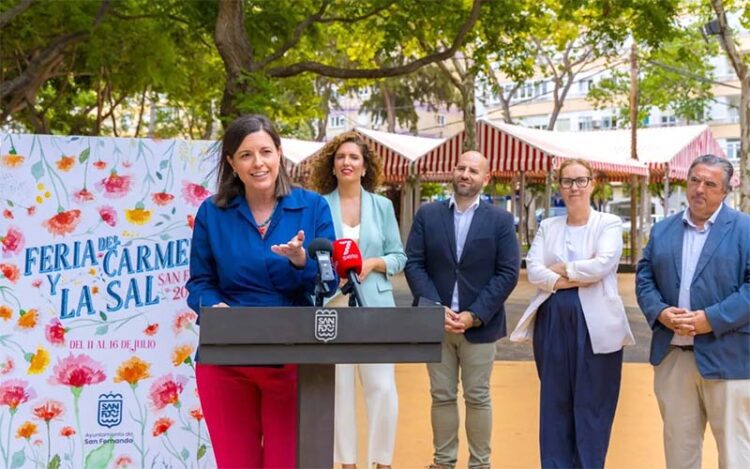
<point>110,410</point>
<point>326,322</point>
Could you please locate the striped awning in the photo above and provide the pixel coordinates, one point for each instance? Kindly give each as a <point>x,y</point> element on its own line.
<point>399,152</point>
<point>684,144</point>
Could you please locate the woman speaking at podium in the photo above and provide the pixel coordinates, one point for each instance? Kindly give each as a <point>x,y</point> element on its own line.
<point>347,172</point>
<point>248,249</point>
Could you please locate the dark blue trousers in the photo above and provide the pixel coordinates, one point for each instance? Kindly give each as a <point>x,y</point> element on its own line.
<point>579,389</point>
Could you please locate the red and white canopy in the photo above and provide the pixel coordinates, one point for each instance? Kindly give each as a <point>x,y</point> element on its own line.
<point>398,151</point>
<point>512,148</point>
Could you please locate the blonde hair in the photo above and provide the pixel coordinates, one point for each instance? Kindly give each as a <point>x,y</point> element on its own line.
<point>574,161</point>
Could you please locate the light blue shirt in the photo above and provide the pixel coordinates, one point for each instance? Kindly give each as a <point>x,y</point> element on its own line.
<point>461,224</point>
<point>693,240</point>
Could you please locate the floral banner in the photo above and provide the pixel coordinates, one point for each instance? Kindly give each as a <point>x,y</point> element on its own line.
<point>96,340</point>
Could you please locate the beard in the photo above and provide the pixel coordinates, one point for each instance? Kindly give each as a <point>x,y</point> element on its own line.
<point>470,190</point>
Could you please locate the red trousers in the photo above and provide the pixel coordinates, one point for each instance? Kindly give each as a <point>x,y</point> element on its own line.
<point>251,414</point>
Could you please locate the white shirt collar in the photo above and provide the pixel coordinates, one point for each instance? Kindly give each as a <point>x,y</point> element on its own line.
<point>474,204</point>
<point>711,220</point>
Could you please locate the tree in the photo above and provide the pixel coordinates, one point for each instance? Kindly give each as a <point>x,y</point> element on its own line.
<point>286,40</point>
<point>741,63</point>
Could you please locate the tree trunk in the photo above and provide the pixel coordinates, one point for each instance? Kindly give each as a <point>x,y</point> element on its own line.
<point>469,110</point>
<point>389,100</point>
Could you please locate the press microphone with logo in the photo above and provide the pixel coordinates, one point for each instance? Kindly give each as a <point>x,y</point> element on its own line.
<point>348,262</point>
<point>320,250</point>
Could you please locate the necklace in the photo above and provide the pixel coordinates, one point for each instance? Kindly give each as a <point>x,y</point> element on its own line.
<point>262,227</point>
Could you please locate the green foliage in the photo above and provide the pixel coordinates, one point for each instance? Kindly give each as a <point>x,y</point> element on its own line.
<point>430,190</point>
<point>675,75</point>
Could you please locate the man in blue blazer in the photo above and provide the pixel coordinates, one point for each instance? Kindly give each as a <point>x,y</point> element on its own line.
<point>693,285</point>
<point>463,254</point>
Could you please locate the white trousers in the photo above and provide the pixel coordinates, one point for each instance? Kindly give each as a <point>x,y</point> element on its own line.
<point>687,401</point>
<point>381,400</point>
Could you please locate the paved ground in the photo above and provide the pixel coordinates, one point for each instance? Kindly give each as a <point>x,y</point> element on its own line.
<point>519,300</point>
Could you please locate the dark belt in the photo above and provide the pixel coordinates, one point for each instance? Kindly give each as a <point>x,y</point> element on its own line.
<point>684,348</point>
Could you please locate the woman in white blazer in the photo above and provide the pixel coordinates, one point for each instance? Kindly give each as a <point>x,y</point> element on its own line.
<point>578,324</point>
<point>346,172</point>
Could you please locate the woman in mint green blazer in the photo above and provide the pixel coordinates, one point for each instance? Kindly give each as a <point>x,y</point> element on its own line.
<point>346,172</point>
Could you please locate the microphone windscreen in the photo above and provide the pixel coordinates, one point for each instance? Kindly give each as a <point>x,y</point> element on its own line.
<point>346,257</point>
<point>317,245</point>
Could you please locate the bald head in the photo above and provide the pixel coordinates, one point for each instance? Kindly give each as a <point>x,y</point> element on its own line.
<point>473,156</point>
<point>471,173</point>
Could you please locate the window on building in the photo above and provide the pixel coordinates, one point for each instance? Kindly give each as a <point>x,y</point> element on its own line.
<point>733,108</point>
<point>336,122</point>
<point>733,149</point>
<point>585,123</point>
<point>562,125</point>
<point>441,120</point>
<point>668,121</point>
<point>609,122</point>
<point>584,86</point>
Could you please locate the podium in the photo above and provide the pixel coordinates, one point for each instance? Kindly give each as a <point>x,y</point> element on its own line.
<point>317,338</point>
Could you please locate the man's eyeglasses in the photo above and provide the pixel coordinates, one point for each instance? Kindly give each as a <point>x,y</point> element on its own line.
<point>581,182</point>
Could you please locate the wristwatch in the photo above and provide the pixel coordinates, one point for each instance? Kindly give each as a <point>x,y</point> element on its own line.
<point>477,321</point>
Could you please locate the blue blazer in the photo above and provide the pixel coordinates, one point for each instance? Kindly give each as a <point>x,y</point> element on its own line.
<point>720,286</point>
<point>231,263</point>
<point>378,237</point>
<point>486,273</point>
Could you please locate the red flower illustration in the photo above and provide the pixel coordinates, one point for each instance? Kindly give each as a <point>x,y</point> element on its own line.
<point>194,194</point>
<point>12,242</point>
<point>99,164</point>
<point>184,321</point>
<point>77,371</point>
<point>108,215</point>
<point>14,393</point>
<point>11,272</point>
<point>36,283</point>
<point>191,221</point>
<point>115,186</point>
<point>162,198</point>
<point>31,210</point>
<point>166,390</point>
<point>197,414</point>
<point>67,432</point>
<point>8,214</point>
<point>152,329</point>
<point>162,425</point>
<point>50,410</point>
<point>63,223</point>
<point>83,196</point>
<point>55,332</point>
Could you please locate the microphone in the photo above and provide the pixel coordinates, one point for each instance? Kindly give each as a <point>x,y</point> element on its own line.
<point>348,262</point>
<point>320,249</point>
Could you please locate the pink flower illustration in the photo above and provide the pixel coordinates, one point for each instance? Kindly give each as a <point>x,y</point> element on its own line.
<point>7,214</point>
<point>12,242</point>
<point>184,321</point>
<point>63,223</point>
<point>77,371</point>
<point>108,215</point>
<point>55,332</point>
<point>123,461</point>
<point>6,366</point>
<point>83,196</point>
<point>115,186</point>
<point>162,198</point>
<point>15,392</point>
<point>194,194</point>
<point>166,390</point>
<point>37,283</point>
<point>99,164</point>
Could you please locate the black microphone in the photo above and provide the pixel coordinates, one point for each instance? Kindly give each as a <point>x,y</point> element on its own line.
<point>320,249</point>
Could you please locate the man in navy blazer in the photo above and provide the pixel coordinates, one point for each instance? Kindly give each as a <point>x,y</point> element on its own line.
<point>693,285</point>
<point>463,254</point>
